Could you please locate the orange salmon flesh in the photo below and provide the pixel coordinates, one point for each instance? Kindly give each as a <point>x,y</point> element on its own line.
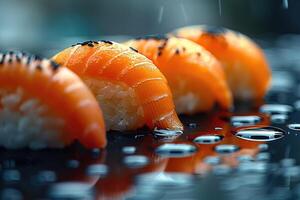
<point>116,63</point>
<point>189,69</point>
<point>56,88</point>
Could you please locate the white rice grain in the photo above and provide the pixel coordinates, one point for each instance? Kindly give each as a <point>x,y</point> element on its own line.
<point>23,123</point>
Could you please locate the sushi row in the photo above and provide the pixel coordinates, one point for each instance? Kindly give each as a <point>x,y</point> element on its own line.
<point>96,86</point>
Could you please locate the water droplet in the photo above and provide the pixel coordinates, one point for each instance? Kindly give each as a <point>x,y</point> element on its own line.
<point>129,149</point>
<point>46,176</point>
<point>293,171</point>
<point>212,160</point>
<point>167,133</point>
<point>245,120</point>
<point>97,169</point>
<point>135,161</point>
<point>192,125</point>
<point>279,118</point>
<point>221,169</point>
<point>138,137</point>
<point>95,152</point>
<point>245,158</point>
<point>208,139</point>
<point>276,109</point>
<point>267,133</point>
<point>282,81</point>
<point>11,175</point>
<point>175,150</point>
<point>10,194</point>
<point>226,148</point>
<point>287,162</point>
<point>263,147</point>
<point>297,105</point>
<point>165,180</point>
<point>295,127</point>
<point>253,167</point>
<point>73,164</point>
<point>264,156</point>
<point>163,185</point>
<point>71,190</point>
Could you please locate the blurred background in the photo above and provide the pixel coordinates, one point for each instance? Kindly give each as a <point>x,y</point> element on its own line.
<point>42,26</point>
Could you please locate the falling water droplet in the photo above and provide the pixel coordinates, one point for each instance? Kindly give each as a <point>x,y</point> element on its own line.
<point>245,120</point>
<point>220,7</point>
<point>285,4</point>
<point>267,133</point>
<point>183,12</point>
<point>160,15</point>
<point>208,139</point>
<point>176,150</point>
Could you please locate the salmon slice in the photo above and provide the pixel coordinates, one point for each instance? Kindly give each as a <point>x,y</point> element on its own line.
<point>244,62</point>
<point>131,90</point>
<point>195,77</point>
<point>45,105</point>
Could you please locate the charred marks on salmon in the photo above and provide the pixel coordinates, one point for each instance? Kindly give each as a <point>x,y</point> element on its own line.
<point>18,57</point>
<point>92,43</point>
<point>161,47</point>
<point>133,49</point>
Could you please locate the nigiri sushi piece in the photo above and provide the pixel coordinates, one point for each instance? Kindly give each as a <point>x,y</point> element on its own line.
<point>244,62</point>
<point>45,105</point>
<point>130,89</point>
<point>195,77</point>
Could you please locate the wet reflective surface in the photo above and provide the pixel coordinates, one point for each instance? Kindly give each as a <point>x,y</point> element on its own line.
<point>221,155</point>
<point>263,133</point>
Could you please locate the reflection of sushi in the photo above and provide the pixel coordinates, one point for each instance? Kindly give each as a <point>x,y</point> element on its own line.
<point>129,87</point>
<point>44,105</point>
<point>194,75</point>
<point>244,62</point>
